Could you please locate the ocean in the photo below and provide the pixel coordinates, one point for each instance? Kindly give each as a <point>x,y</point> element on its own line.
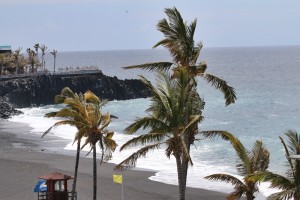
<point>266,80</point>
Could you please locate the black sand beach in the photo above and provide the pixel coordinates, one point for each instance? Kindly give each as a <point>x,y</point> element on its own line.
<point>24,157</point>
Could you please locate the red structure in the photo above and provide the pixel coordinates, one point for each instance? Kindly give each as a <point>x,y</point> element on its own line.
<point>57,188</point>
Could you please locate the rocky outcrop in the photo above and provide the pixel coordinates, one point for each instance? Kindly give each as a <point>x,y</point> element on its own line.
<point>6,109</point>
<point>41,89</point>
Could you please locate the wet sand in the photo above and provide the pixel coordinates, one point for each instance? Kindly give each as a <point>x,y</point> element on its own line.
<point>25,157</point>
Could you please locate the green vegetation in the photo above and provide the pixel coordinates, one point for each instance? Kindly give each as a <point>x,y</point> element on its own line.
<point>18,63</point>
<point>173,117</point>
<point>250,161</point>
<point>54,53</point>
<point>176,107</point>
<point>289,184</point>
<point>83,112</point>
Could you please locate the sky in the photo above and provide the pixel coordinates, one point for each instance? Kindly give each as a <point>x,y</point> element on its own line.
<point>84,25</point>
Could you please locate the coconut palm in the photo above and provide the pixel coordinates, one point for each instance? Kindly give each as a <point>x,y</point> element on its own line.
<point>43,49</point>
<point>5,60</point>
<point>16,56</point>
<point>68,93</point>
<point>83,112</point>
<point>179,40</point>
<point>32,59</point>
<point>54,53</point>
<point>23,63</point>
<point>36,47</point>
<point>174,113</point>
<point>289,184</point>
<point>250,162</point>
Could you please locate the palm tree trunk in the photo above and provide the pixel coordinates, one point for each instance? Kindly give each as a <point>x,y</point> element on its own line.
<point>94,173</point>
<point>76,170</point>
<point>249,196</point>
<point>181,182</point>
<point>54,63</point>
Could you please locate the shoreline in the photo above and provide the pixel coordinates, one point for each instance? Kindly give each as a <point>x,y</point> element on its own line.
<point>23,158</point>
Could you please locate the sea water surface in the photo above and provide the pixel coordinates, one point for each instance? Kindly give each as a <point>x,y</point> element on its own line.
<point>266,80</point>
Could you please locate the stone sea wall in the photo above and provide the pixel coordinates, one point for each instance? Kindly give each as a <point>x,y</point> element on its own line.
<point>40,89</point>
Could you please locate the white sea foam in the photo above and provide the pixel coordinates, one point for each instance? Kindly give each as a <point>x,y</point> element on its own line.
<point>207,158</point>
<point>267,105</point>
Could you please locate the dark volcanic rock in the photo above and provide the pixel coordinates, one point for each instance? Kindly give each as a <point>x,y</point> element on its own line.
<point>6,109</point>
<point>40,90</point>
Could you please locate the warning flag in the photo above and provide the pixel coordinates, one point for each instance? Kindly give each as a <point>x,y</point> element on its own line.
<point>118,179</point>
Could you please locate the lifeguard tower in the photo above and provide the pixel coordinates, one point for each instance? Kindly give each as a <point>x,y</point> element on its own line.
<point>57,188</point>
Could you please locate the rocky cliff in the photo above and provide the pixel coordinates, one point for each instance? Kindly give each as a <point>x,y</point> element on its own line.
<point>41,89</point>
<point>6,109</point>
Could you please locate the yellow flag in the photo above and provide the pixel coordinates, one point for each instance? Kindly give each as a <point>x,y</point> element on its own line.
<point>118,179</point>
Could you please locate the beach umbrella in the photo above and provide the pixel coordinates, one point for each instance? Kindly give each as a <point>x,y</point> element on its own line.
<point>40,186</point>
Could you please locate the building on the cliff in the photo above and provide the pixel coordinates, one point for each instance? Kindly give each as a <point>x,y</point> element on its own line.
<point>5,49</point>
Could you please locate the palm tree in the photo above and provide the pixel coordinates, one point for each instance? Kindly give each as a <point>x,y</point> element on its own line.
<point>5,60</point>
<point>36,47</point>
<point>16,57</point>
<point>289,184</point>
<point>68,93</point>
<point>251,161</point>
<point>44,51</point>
<point>179,40</point>
<point>32,59</point>
<point>83,112</point>
<point>54,53</point>
<point>174,113</point>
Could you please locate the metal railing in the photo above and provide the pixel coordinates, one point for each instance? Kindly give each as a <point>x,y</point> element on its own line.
<point>56,195</point>
<point>15,76</point>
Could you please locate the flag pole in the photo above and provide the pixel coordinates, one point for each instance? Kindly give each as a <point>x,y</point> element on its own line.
<point>122,189</point>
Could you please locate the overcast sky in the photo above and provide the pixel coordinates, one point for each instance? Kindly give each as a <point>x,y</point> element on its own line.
<point>79,25</point>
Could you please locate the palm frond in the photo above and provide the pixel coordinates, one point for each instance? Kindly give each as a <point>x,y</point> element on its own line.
<point>226,178</point>
<point>237,193</point>
<point>178,40</point>
<point>155,66</point>
<point>146,122</point>
<point>287,155</point>
<point>76,104</point>
<point>197,70</point>
<point>65,93</point>
<point>159,98</point>
<point>50,114</point>
<point>90,97</point>
<point>105,121</point>
<point>260,157</point>
<point>276,180</point>
<point>64,122</point>
<point>143,139</point>
<point>294,142</point>
<point>228,91</point>
<point>283,195</point>
<point>245,167</point>
<point>215,134</point>
<point>197,51</point>
<point>130,162</point>
<point>193,119</point>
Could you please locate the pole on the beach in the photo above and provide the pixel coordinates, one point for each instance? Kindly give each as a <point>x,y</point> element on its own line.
<point>119,180</point>
<point>122,190</point>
